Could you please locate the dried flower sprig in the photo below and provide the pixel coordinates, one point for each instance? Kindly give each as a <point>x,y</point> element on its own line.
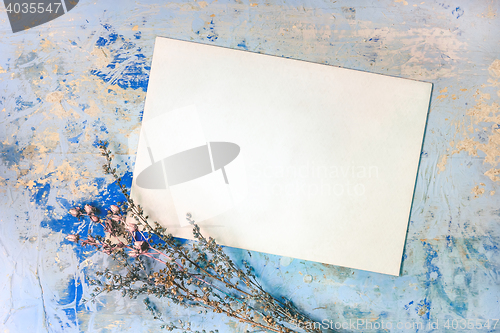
<point>200,274</point>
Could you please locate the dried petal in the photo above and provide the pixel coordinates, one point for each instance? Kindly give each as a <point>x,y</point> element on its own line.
<point>89,209</point>
<point>73,238</point>
<point>75,212</point>
<point>115,209</point>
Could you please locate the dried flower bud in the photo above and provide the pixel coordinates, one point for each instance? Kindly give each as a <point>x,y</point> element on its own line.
<point>131,227</point>
<point>94,218</point>
<point>115,209</point>
<point>75,212</point>
<point>141,246</point>
<point>73,238</point>
<point>89,209</point>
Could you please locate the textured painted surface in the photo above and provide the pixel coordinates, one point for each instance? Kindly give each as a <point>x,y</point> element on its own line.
<point>83,77</point>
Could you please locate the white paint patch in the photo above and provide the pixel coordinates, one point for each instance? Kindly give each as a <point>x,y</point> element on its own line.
<point>285,261</point>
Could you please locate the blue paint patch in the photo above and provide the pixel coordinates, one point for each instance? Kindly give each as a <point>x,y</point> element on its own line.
<point>490,248</point>
<point>22,104</point>
<point>407,306</point>
<point>449,242</point>
<point>74,293</point>
<point>431,254</point>
<point>423,308</point>
<point>243,45</point>
<point>101,41</point>
<point>75,139</point>
<point>41,194</point>
<point>113,37</point>
<point>10,154</point>
<point>138,35</point>
<point>135,74</point>
<point>212,35</point>
<point>477,256</point>
<point>457,12</point>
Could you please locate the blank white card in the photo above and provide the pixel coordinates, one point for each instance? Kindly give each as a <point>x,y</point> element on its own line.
<point>281,156</point>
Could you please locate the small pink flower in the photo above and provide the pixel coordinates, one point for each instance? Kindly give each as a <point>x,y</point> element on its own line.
<point>115,209</point>
<point>90,241</point>
<point>75,212</point>
<point>73,238</point>
<point>94,218</point>
<point>89,209</point>
<point>116,218</point>
<point>131,227</point>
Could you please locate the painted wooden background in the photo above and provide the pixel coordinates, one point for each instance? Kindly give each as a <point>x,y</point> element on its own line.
<point>84,76</point>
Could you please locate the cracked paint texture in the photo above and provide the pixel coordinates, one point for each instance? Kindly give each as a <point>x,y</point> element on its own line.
<point>83,77</point>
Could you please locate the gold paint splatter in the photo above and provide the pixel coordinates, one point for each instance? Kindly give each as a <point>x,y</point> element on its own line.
<point>54,97</point>
<point>2,70</point>
<point>463,89</point>
<point>58,109</point>
<point>492,193</point>
<point>442,165</point>
<point>483,112</point>
<point>202,4</point>
<point>495,68</point>
<point>441,96</point>
<point>477,191</point>
<point>493,174</point>
<point>254,4</point>
<point>135,28</point>
<point>403,1</point>
<point>444,90</point>
<point>93,109</point>
<point>100,57</point>
<point>489,14</point>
